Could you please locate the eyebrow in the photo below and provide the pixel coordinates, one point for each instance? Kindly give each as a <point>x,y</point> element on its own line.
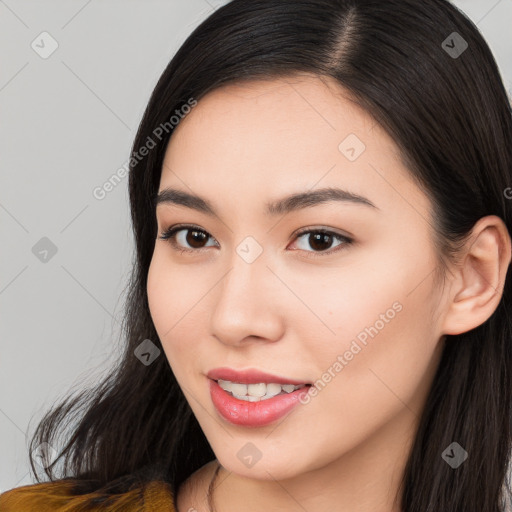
<point>284,205</point>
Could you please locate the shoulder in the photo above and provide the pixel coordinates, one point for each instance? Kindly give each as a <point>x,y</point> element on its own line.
<point>192,492</point>
<point>57,496</point>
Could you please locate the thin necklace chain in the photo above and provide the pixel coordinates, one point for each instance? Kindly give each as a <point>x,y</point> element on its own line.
<point>210,489</point>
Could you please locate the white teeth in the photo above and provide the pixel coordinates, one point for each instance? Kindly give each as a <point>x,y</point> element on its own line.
<point>224,384</point>
<point>273,390</point>
<point>256,392</point>
<point>238,389</point>
<point>247,398</point>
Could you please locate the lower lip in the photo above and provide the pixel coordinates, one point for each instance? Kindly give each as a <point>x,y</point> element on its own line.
<point>253,414</point>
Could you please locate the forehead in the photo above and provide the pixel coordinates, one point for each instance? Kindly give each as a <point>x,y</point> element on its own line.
<point>305,106</point>
<point>273,137</point>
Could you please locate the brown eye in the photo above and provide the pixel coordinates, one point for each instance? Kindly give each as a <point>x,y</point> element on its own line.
<point>321,241</point>
<point>195,238</point>
<point>186,238</point>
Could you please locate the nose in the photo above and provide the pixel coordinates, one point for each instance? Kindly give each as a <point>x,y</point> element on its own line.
<point>246,304</point>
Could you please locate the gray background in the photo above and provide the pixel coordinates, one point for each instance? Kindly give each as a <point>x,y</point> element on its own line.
<point>67,124</point>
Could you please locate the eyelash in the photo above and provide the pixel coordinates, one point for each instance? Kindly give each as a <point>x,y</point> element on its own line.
<point>171,231</point>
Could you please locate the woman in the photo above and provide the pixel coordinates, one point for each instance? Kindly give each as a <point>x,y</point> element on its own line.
<point>320,310</point>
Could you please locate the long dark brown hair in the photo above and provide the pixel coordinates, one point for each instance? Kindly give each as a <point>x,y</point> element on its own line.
<point>451,118</point>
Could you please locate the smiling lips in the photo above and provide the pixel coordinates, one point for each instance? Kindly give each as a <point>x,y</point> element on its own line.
<point>253,398</point>
<point>256,392</point>
<point>250,376</point>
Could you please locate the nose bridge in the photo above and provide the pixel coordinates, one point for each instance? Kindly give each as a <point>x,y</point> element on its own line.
<point>244,305</point>
<point>248,269</point>
<point>248,273</point>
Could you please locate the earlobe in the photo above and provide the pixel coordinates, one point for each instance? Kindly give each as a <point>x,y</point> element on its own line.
<point>480,278</point>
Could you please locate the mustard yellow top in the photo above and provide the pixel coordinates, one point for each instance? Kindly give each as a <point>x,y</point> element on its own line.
<point>56,497</point>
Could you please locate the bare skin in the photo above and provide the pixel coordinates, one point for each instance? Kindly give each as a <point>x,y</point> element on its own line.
<point>293,315</point>
<point>193,492</point>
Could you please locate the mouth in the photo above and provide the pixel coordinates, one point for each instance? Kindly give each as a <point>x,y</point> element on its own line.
<point>239,403</point>
<point>252,398</point>
<point>259,391</point>
<point>250,376</point>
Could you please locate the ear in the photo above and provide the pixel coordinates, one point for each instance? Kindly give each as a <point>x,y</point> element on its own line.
<point>479,279</point>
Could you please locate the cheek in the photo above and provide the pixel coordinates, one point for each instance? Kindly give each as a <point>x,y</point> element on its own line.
<point>375,311</point>
<point>340,305</point>
<point>383,354</point>
<point>386,299</point>
<point>161,304</point>
<point>175,304</point>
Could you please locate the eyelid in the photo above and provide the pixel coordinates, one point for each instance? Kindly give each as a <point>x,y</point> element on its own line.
<point>323,229</point>
<point>168,235</point>
<point>344,239</point>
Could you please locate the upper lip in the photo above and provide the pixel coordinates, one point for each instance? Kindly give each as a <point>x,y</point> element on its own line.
<point>250,376</point>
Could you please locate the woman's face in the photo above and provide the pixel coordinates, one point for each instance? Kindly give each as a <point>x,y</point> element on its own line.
<point>359,318</point>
